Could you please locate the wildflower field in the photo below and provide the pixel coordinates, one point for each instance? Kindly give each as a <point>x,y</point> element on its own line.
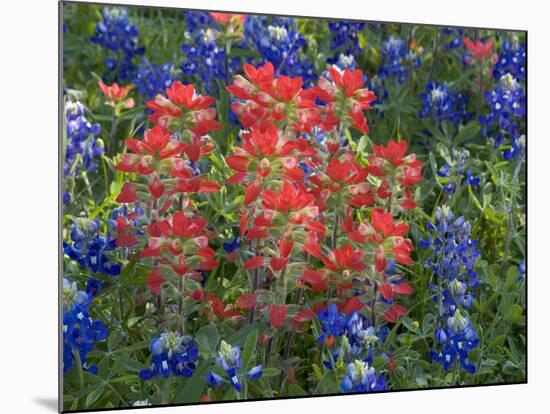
<point>263,207</point>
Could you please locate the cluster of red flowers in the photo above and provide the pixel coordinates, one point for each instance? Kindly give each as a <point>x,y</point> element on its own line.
<point>305,201</point>
<point>480,50</point>
<point>176,237</point>
<point>282,101</point>
<point>315,217</point>
<point>116,95</point>
<point>184,111</point>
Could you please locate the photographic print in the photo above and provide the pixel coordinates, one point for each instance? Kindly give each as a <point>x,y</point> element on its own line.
<point>264,206</point>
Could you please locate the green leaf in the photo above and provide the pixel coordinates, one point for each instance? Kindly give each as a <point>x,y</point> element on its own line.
<point>114,340</point>
<point>328,384</point>
<point>271,372</point>
<point>498,341</point>
<point>474,199</point>
<point>134,347</point>
<point>128,268</point>
<point>295,390</point>
<point>238,52</point>
<point>485,371</point>
<point>230,394</point>
<point>79,367</point>
<point>509,368</point>
<point>94,396</point>
<point>427,323</point>
<point>433,165</point>
<point>317,372</point>
<point>378,362</point>
<point>410,325</point>
<point>514,313</point>
<point>124,378</point>
<point>447,127</point>
<point>207,339</point>
<point>492,216</point>
<point>421,381</point>
<point>249,349</point>
<point>362,145</point>
<point>115,188</point>
<point>74,405</point>
<point>118,365</point>
<point>468,132</point>
<point>238,338</point>
<point>511,275</point>
<point>194,387</point>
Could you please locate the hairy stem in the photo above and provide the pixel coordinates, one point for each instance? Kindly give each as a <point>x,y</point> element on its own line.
<point>373,306</point>
<point>114,123</point>
<point>180,305</point>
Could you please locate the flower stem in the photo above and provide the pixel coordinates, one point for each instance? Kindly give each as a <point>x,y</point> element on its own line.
<point>268,350</point>
<point>290,337</point>
<point>373,306</point>
<point>120,303</point>
<point>164,394</point>
<point>255,281</point>
<point>180,305</point>
<point>226,60</point>
<point>114,123</point>
<point>335,230</point>
<point>87,183</point>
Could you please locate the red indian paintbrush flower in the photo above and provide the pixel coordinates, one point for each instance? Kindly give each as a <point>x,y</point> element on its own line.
<point>116,94</point>
<point>156,152</point>
<point>389,290</point>
<point>184,109</point>
<point>292,201</point>
<point>197,148</point>
<point>285,249</point>
<point>292,209</point>
<point>384,225</point>
<point>155,281</point>
<point>128,194</point>
<point>315,279</point>
<point>254,263</point>
<point>394,312</point>
<point>343,180</point>
<point>387,236</point>
<point>207,258</point>
<point>188,182</point>
<point>226,18</point>
<point>353,304</point>
<point>266,100</point>
<point>218,309</point>
<point>256,80</point>
<point>157,230</point>
<point>247,301</point>
<point>277,315</point>
<point>345,258</point>
<point>346,99</point>
<point>156,188</point>
<point>186,236</point>
<point>394,152</point>
<point>187,227</point>
<point>312,246</point>
<point>264,153</point>
<point>479,49</point>
<point>125,236</point>
<point>302,317</point>
<point>392,161</point>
